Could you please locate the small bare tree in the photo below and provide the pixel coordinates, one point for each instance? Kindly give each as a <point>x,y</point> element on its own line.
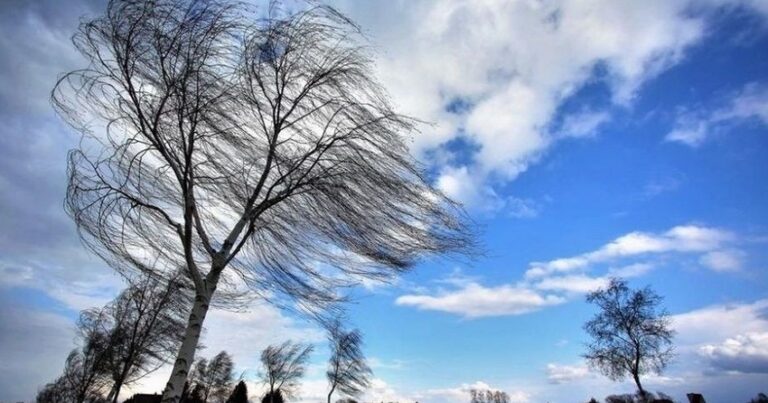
<point>214,378</point>
<point>347,370</point>
<point>145,327</point>
<point>253,153</point>
<point>630,334</point>
<point>488,396</point>
<point>283,367</point>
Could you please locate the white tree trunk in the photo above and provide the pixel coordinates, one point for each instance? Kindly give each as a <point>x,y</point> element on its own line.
<point>186,356</point>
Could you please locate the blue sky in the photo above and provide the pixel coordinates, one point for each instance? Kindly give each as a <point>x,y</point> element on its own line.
<point>586,139</point>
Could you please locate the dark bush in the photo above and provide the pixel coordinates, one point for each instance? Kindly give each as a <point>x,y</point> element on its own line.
<point>275,397</point>
<point>240,394</point>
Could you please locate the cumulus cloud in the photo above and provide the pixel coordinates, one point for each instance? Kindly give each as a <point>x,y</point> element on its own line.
<point>462,393</point>
<point>694,128</point>
<point>560,280</point>
<point>723,260</point>
<point>741,353</point>
<point>511,66</point>
<point>730,337</point>
<point>576,283</point>
<point>474,300</point>
<point>714,324</point>
<point>558,373</point>
<point>583,124</point>
<point>466,185</point>
<point>682,239</point>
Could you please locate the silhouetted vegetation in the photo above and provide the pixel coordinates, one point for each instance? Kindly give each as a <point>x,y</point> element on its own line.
<point>760,398</point>
<point>212,380</point>
<point>273,397</point>
<point>488,396</point>
<point>630,335</point>
<point>145,324</point>
<point>128,338</point>
<point>240,394</point>
<point>347,370</point>
<point>282,368</point>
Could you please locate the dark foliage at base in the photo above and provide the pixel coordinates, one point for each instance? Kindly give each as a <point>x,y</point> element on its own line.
<point>276,397</point>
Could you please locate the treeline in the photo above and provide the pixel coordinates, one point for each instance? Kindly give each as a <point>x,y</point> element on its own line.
<point>140,331</point>
<point>121,343</point>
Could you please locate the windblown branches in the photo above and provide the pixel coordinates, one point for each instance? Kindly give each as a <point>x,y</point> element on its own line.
<point>216,140</point>
<point>129,338</point>
<point>265,145</point>
<point>283,367</point>
<point>347,372</point>
<point>146,324</point>
<point>213,379</point>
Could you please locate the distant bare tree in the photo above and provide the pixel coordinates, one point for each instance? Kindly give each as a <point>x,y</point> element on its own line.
<point>283,367</point>
<point>247,151</point>
<point>55,392</point>
<point>86,370</point>
<point>488,396</point>
<point>214,378</point>
<point>146,326</point>
<point>630,334</point>
<point>347,370</point>
<point>85,378</point>
<point>86,375</point>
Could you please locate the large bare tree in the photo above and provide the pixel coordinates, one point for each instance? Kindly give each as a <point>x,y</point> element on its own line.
<point>256,152</point>
<point>631,334</point>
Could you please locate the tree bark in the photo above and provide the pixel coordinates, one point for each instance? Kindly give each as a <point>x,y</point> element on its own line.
<point>186,356</point>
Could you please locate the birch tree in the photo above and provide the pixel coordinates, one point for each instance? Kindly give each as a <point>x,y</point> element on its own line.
<point>256,152</point>
<point>214,378</point>
<point>283,367</point>
<point>144,327</point>
<point>348,373</point>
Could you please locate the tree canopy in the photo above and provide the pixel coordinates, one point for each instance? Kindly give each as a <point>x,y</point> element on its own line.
<point>255,152</point>
<point>631,334</point>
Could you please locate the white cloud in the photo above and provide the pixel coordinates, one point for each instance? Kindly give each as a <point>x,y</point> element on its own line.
<point>576,283</point>
<point>512,64</point>
<point>381,391</point>
<point>474,300</point>
<point>631,270</point>
<point>467,186</point>
<point>723,260</point>
<point>682,239</point>
<point>560,280</point>
<point>694,127</point>
<point>741,353</point>
<point>714,324</point>
<point>377,363</point>
<point>461,393</point>
<point>724,338</point>
<point>583,124</point>
<point>557,373</point>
